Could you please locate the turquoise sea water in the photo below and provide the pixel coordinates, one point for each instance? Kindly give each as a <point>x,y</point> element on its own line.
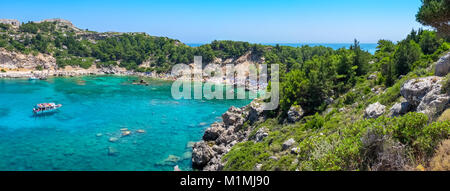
<point>95,109</point>
<point>370,47</point>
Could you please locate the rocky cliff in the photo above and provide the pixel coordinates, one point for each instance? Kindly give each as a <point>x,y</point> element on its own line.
<point>15,60</point>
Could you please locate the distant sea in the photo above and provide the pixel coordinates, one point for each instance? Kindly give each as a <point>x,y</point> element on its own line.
<point>370,47</point>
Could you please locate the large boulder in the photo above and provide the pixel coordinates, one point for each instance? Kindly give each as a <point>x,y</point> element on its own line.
<point>261,134</point>
<point>201,154</point>
<point>374,111</point>
<point>212,133</point>
<point>443,65</point>
<point>295,113</point>
<point>414,90</point>
<point>425,95</point>
<point>400,109</point>
<point>233,117</point>
<point>255,112</point>
<point>434,102</point>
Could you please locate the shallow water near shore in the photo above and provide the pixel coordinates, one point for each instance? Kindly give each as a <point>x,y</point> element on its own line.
<point>86,133</point>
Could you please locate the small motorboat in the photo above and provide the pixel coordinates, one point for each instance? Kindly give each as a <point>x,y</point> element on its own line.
<point>46,107</point>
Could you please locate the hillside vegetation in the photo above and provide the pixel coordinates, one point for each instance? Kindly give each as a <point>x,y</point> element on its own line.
<point>336,135</point>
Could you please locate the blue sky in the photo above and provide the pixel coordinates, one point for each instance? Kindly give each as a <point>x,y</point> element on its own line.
<point>258,21</point>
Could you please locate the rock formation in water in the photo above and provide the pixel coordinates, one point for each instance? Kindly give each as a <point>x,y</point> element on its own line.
<point>222,136</point>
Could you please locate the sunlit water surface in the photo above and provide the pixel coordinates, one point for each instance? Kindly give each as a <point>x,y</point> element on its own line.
<point>96,109</point>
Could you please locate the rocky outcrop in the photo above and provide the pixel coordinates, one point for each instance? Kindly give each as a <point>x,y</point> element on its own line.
<point>425,96</point>
<point>255,112</point>
<point>400,109</point>
<point>261,134</point>
<point>201,154</point>
<point>443,65</point>
<point>415,90</point>
<point>12,22</point>
<point>62,24</point>
<point>295,113</point>
<point>15,60</point>
<point>212,133</point>
<point>233,117</point>
<point>374,111</point>
<point>222,136</point>
<point>18,65</point>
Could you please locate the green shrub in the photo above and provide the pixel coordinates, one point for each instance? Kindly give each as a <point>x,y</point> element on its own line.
<point>350,98</point>
<point>245,156</point>
<point>315,122</point>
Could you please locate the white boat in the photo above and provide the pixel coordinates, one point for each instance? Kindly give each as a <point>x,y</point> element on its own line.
<point>45,107</point>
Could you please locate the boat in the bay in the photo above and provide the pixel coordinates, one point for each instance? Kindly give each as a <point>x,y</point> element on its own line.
<point>46,107</point>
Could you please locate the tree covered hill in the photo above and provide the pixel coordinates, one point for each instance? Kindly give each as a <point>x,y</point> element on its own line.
<point>76,47</point>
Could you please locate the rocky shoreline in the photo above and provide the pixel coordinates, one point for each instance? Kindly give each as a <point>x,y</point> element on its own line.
<point>218,140</point>
<point>87,72</point>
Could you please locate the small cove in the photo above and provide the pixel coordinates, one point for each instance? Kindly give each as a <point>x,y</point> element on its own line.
<point>86,133</point>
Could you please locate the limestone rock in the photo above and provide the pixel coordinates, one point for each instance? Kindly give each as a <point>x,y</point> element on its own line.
<point>16,60</point>
<point>295,113</point>
<point>214,165</point>
<point>287,144</point>
<point>219,149</point>
<point>13,22</point>
<point>443,65</point>
<point>258,167</point>
<point>434,102</point>
<point>201,154</point>
<point>414,90</point>
<point>255,111</point>
<point>212,133</point>
<point>261,134</point>
<point>295,150</point>
<point>374,110</point>
<point>400,109</point>
<point>233,117</point>
<point>425,95</point>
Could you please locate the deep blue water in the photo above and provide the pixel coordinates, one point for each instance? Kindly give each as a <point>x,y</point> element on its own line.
<point>95,109</point>
<point>370,47</point>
